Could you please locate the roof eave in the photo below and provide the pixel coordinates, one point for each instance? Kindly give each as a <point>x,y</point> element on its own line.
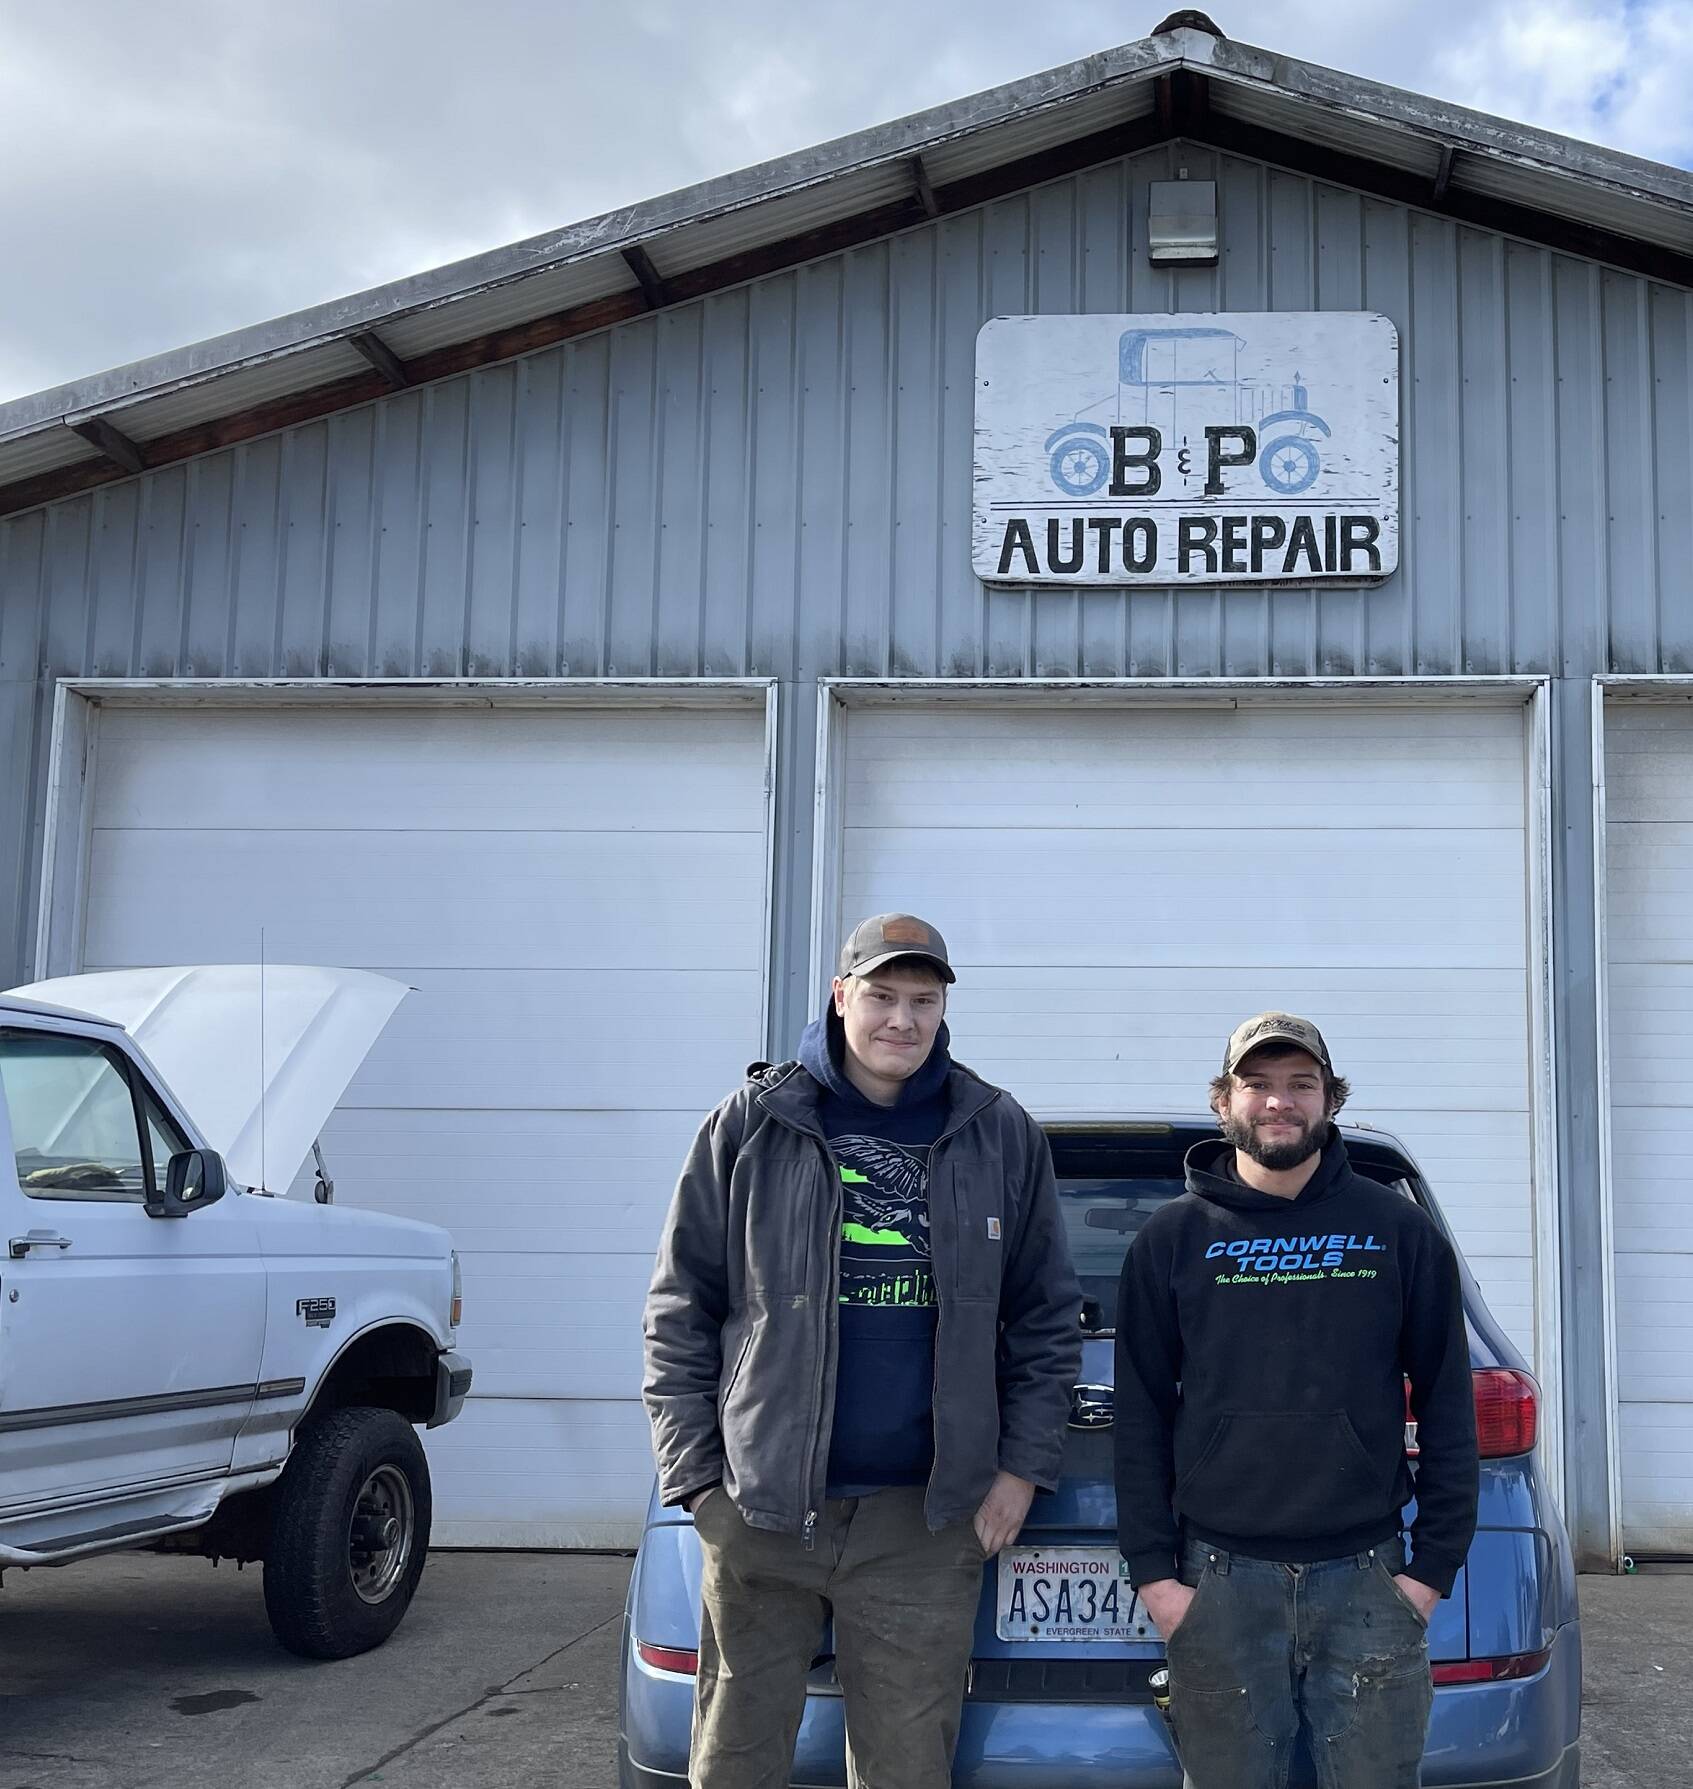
<point>608,233</point>
<point>1476,133</point>
<point>94,408</point>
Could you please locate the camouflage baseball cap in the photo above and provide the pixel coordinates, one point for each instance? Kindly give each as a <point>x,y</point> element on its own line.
<point>889,936</point>
<point>1274,1028</point>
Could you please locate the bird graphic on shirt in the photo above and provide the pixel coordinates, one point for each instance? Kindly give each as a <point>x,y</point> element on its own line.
<point>884,1191</point>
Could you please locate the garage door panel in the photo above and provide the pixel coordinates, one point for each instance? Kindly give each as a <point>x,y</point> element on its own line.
<point>1657,1480</point>
<point>515,1180</point>
<point>1646,765</point>
<point>1651,1172</point>
<point>578,1471</point>
<point>1118,769</point>
<point>1651,1008</point>
<point>1120,887</point>
<point>446,900</point>
<point>512,770</point>
<point>578,899</point>
<point>1655,1325</point>
<point>626,1039</point>
<point>1474,998</point>
<point>1120,1056</point>
<point>555,1325</point>
<point>1649,978</point>
<point>1154,898</point>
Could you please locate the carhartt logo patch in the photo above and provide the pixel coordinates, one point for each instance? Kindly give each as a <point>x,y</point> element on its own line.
<point>905,931</point>
<point>993,1229</point>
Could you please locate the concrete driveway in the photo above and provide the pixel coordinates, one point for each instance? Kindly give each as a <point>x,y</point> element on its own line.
<point>137,1673</point>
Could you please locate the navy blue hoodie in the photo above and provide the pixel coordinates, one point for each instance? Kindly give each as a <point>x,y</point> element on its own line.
<point>884,1387</point>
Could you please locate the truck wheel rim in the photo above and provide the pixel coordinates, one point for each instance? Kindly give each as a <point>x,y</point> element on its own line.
<point>379,1538</point>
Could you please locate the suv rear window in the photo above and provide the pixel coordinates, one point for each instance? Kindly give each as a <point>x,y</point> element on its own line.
<point>1101,1218</point>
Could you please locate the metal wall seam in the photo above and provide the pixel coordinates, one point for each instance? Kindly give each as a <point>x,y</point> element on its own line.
<point>1602,1056</point>
<point>770,952</point>
<point>825,845</point>
<point>1546,1082</point>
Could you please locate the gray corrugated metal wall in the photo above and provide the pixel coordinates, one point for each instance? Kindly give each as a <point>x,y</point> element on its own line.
<point>776,481</point>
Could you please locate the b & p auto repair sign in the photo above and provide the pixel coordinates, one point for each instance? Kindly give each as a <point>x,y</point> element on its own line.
<point>1251,448</point>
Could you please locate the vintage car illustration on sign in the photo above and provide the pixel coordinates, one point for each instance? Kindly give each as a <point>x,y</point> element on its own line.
<point>1153,364</point>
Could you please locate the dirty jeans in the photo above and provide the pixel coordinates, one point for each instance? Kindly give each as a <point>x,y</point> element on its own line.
<point>904,1603</point>
<point>1264,1647</point>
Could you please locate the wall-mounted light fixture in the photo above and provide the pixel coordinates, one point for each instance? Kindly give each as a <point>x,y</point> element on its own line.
<point>1181,223</point>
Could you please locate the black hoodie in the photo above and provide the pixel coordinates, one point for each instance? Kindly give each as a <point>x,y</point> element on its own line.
<point>1262,1347</point>
<point>884,1431</point>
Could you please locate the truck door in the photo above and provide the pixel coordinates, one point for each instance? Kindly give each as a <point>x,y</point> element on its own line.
<point>129,1345</point>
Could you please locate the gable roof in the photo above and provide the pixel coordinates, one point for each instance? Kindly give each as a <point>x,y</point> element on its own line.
<point>1185,81</point>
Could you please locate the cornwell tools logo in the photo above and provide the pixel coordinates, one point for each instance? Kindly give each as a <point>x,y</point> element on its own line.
<point>1269,1259</point>
<point>1197,449</point>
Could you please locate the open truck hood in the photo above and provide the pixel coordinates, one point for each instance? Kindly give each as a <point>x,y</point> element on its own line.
<point>200,1027</point>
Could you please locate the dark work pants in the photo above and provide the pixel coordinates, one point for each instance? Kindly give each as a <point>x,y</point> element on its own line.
<point>1264,1647</point>
<point>904,1603</point>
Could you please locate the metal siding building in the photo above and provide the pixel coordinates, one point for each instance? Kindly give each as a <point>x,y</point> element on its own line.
<point>772,481</point>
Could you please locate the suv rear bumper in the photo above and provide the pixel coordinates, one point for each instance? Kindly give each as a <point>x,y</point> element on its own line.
<point>1565,1774</point>
<point>452,1386</point>
<point>1515,1734</point>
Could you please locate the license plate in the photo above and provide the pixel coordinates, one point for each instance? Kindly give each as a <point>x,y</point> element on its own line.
<point>1068,1593</point>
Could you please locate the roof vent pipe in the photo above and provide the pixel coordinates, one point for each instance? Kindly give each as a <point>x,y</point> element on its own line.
<point>1190,20</point>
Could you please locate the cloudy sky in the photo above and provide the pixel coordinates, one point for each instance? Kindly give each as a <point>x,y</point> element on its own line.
<point>173,169</point>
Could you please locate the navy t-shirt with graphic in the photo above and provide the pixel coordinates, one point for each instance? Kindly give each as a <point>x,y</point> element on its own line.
<point>884,1385</point>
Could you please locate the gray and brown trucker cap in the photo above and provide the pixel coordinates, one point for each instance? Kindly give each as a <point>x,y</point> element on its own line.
<point>889,936</point>
<point>1274,1028</point>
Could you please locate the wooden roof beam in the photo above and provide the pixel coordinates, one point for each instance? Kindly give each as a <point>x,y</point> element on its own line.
<point>1443,173</point>
<point>113,443</point>
<point>925,188</point>
<point>382,357</point>
<point>653,289</point>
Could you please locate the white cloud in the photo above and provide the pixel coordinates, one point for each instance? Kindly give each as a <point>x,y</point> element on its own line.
<point>173,170</point>
<point>1616,73</point>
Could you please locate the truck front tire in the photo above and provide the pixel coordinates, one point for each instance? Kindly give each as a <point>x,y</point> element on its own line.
<point>349,1531</point>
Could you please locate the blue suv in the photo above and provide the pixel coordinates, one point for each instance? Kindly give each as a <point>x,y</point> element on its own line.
<point>1061,1690</point>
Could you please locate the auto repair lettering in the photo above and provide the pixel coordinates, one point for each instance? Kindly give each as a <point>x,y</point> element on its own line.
<point>1251,545</point>
<point>1306,1256</point>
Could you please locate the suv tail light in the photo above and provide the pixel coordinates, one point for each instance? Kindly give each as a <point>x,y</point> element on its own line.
<point>1507,1413</point>
<point>1522,1664</point>
<point>669,1658</point>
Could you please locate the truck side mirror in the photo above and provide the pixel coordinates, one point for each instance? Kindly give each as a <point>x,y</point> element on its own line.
<point>193,1178</point>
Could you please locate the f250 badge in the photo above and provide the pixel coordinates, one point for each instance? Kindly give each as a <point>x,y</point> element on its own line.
<point>316,1313</point>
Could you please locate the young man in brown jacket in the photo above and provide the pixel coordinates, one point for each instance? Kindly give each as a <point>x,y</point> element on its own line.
<point>862,1335</point>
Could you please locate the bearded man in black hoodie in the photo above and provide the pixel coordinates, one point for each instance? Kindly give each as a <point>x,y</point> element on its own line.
<point>1268,1321</point>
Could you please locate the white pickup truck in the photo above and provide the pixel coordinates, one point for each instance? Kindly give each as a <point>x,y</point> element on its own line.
<point>188,1364</point>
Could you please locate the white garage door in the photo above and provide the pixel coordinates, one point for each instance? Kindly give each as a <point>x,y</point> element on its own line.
<point>1120,887</point>
<point>1649,926</point>
<point>578,897</point>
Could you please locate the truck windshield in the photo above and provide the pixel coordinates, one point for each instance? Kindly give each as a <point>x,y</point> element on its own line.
<point>1102,1216</point>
